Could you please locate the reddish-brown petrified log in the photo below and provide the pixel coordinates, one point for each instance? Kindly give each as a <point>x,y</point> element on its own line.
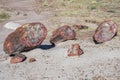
<point>62,34</point>
<point>105,31</point>
<point>75,50</point>
<point>26,37</point>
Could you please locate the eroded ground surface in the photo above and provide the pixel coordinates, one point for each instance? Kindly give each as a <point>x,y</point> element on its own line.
<point>99,61</point>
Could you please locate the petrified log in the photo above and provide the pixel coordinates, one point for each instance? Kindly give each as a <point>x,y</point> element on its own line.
<point>105,31</point>
<point>62,34</point>
<point>26,37</point>
<point>75,50</point>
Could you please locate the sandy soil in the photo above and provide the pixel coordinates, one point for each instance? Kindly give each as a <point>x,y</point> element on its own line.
<point>99,62</point>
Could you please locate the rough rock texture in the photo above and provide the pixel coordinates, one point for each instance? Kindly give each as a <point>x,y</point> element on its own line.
<point>105,31</point>
<point>26,37</point>
<point>62,34</point>
<point>17,59</point>
<point>75,50</point>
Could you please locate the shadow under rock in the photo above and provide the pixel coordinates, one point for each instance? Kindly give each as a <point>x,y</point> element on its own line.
<point>45,47</point>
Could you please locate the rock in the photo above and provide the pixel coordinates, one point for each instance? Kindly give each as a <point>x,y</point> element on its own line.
<point>26,37</point>
<point>17,59</point>
<point>24,14</point>
<point>62,34</point>
<point>75,50</point>
<point>105,31</point>
<point>32,60</point>
<point>92,21</point>
<point>79,27</point>
<point>17,13</point>
<point>12,25</point>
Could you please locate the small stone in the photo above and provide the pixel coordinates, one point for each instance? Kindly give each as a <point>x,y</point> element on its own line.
<point>105,31</point>
<point>24,14</point>
<point>17,13</point>
<point>92,21</point>
<point>32,60</point>
<point>75,50</point>
<point>5,57</point>
<point>16,59</point>
<point>58,76</point>
<point>61,34</point>
<point>79,27</point>
<point>12,25</point>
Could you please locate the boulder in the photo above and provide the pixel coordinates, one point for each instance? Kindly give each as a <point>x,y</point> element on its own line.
<point>80,27</point>
<point>61,34</point>
<point>26,37</point>
<point>105,31</point>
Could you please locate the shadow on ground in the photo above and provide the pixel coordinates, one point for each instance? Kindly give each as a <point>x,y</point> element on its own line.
<point>46,47</point>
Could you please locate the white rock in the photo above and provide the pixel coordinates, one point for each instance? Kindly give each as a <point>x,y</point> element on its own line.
<point>12,25</point>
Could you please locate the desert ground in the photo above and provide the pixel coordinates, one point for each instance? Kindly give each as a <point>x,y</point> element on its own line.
<point>99,61</point>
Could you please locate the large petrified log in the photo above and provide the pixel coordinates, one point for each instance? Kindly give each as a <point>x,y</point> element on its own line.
<point>26,37</point>
<point>62,34</point>
<point>105,31</point>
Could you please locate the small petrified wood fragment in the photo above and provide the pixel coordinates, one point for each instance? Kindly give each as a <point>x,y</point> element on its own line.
<point>32,60</point>
<point>75,50</point>
<point>26,37</point>
<point>105,31</point>
<point>80,27</point>
<point>17,59</point>
<point>62,34</point>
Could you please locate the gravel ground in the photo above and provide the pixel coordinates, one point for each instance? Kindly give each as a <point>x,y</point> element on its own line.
<point>99,61</point>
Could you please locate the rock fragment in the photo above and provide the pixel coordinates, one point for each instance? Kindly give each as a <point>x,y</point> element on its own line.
<point>75,50</point>
<point>105,31</point>
<point>32,60</point>
<point>92,21</point>
<point>12,25</point>
<point>79,27</point>
<point>17,59</point>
